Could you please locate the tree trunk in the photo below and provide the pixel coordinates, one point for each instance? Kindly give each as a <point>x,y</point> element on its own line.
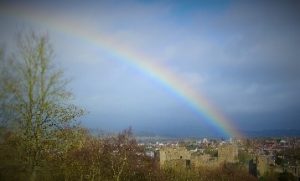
<point>33,174</point>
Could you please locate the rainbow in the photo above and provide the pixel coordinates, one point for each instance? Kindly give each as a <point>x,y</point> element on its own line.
<point>134,59</point>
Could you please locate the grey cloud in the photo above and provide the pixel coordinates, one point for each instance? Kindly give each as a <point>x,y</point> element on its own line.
<point>244,57</point>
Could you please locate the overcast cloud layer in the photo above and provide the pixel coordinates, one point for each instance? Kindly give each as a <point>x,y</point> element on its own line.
<point>244,56</point>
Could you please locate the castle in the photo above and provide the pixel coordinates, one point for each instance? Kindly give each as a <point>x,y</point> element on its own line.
<point>180,157</point>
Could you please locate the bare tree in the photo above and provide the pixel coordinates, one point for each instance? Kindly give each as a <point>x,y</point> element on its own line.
<point>38,98</point>
<point>120,150</point>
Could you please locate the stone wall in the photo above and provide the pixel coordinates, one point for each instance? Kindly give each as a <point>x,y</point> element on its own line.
<point>204,161</point>
<point>169,154</point>
<point>228,153</point>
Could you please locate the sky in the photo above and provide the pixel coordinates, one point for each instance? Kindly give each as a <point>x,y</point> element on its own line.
<point>242,56</point>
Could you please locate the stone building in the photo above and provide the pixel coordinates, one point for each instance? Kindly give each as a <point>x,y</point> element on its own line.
<point>295,170</point>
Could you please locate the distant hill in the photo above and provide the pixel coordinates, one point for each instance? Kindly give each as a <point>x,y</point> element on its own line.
<point>182,135</point>
<point>272,133</point>
<point>247,133</point>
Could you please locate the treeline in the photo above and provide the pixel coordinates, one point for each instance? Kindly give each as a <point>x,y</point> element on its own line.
<point>76,155</point>
<point>87,157</point>
<point>41,139</point>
